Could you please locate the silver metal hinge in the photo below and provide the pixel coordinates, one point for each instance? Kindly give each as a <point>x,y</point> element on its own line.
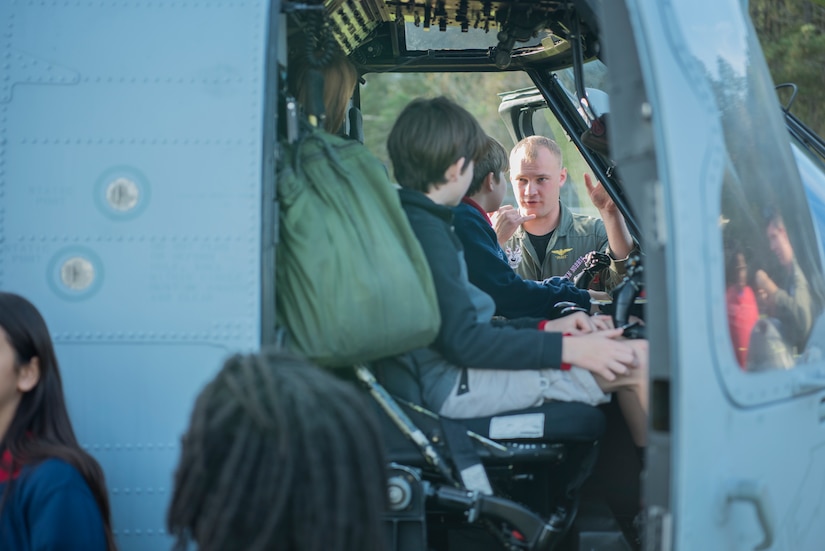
<point>658,535</point>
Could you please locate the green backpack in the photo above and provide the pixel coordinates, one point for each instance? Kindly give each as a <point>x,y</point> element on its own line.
<point>352,282</point>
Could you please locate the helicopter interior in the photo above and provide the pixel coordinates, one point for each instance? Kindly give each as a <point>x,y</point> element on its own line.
<point>555,44</point>
<point>434,504</point>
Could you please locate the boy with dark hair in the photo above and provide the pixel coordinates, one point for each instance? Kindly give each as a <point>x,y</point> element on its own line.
<point>487,262</point>
<point>495,366</point>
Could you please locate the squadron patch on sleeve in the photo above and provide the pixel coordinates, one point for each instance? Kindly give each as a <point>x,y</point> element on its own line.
<point>513,256</point>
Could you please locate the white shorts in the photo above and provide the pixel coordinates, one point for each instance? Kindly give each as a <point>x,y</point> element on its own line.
<point>494,391</point>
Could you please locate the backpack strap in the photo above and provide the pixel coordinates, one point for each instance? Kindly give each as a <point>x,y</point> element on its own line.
<point>465,457</point>
<point>403,422</point>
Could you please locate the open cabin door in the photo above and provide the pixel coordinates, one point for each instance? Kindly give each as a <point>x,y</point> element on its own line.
<point>737,450</point>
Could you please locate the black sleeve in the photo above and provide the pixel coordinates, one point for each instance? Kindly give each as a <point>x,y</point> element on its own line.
<point>464,340</point>
<point>518,323</point>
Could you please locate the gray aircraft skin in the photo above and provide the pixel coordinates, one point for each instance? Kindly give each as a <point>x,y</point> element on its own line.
<point>138,143</point>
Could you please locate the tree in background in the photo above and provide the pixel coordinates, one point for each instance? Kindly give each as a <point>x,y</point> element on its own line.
<point>385,94</point>
<point>792,34</point>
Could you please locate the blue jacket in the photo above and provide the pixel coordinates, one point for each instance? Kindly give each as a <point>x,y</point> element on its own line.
<point>489,271</point>
<point>50,508</point>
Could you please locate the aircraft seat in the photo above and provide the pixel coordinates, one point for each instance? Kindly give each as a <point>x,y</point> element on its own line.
<point>557,437</point>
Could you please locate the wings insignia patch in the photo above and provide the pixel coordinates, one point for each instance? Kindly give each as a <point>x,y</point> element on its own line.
<point>561,254</point>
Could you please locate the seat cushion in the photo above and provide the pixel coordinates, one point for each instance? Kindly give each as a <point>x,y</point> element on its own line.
<point>560,421</point>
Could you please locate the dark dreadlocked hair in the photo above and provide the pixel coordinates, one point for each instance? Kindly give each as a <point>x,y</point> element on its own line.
<point>280,455</point>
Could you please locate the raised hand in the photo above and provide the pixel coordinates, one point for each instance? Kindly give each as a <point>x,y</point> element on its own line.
<point>506,221</point>
<point>621,243</point>
<point>598,195</point>
<point>765,288</point>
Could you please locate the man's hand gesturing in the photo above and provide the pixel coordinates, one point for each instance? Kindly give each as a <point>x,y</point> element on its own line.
<point>506,221</point>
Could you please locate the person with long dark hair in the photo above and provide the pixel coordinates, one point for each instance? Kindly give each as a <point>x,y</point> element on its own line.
<point>53,494</point>
<point>280,454</point>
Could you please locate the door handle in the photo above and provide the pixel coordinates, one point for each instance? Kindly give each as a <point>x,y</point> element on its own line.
<point>753,492</point>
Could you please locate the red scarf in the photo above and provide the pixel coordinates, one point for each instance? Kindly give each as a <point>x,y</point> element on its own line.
<point>6,465</point>
<point>476,206</point>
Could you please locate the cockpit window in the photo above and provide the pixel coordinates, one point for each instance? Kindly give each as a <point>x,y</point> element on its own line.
<point>595,82</point>
<point>418,37</point>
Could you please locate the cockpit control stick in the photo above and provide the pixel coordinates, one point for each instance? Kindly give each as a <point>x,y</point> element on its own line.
<point>625,295</point>
<point>594,262</point>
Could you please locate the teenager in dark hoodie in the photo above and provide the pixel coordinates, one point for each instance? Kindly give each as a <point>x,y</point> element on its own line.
<point>492,366</point>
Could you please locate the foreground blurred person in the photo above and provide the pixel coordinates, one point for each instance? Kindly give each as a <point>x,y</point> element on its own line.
<point>53,493</point>
<point>280,455</point>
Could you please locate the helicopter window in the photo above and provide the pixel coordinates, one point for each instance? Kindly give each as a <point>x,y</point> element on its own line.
<point>478,36</point>
<point>418,37</point>
<point>595,81</point>
<point>773,272</point>
<point>379,109</point>
<point>771,291</point>
<point>598,102</point>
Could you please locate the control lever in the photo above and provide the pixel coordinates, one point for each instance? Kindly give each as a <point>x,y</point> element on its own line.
<point>534,533</point>
<point>594,262</point>
<point>624,296</point>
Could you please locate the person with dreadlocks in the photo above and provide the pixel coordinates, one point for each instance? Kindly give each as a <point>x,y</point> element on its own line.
<point>280,455</point>
<point>53,493</point>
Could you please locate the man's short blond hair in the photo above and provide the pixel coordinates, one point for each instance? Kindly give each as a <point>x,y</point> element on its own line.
<point>531,145</point>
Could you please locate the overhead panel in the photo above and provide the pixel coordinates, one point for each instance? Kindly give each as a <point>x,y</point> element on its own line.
<point>354,20</point>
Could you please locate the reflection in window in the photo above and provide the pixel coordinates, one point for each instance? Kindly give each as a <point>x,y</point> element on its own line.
<point>772,255</point>
<point>740,299</point>
<point>771,304</point>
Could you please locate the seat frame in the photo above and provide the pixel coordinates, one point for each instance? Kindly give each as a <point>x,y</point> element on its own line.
<point>427,485</point>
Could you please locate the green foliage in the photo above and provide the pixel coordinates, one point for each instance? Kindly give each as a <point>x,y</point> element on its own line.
<point>792,34</point>
<point>386,94</point>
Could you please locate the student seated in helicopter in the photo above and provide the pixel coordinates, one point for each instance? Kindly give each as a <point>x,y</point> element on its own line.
<point>491,367</point>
